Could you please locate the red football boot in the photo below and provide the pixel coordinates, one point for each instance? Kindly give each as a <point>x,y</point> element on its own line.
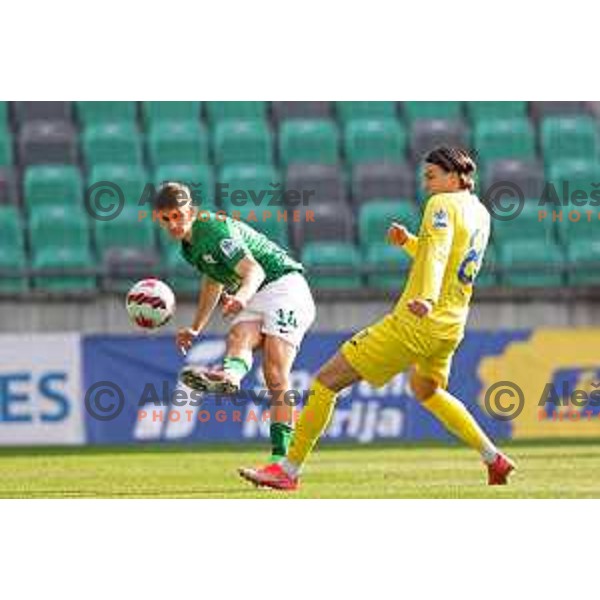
<point>500,469</point>
<point>272,476</point>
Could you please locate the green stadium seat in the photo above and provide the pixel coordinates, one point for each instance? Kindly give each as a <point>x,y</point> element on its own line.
<point>113,143</point>
<point>243,187</point>
<point>222,110</point>
<point>484,111</point>
<point>178,143</point>
<point>131,179</point>
<point>375,141</point>
<point>49,185</point>
<point>3,115</point>
<point>526,226</point>
<point>569,138</point>
<point>331,255</point>
<point>351,111</point>
<point>242,143</point>
<point>66,259</point>
<point>58,225</point>
<point>96,113</point>
<point>270,226</point>
<point>308,141</point>
<point>155,112</point>
<point>12,251</point>
<point>487,276</point>
<point>199,178</point>
<point>504,139</point>
<point>6,149</point>
<point>583,257</point>
<point>529,263</point>
<point>432,110</point>
<point>393,263</point>
<point>376,216</point>
<point>127,230</point>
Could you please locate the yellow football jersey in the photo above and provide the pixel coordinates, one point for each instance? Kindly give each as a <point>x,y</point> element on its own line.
<point>447,256</point>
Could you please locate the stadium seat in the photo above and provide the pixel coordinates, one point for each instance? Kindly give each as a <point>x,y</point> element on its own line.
<point>112,143</point>
<point>316,183</point>
<point>43,111</point>
<point>504,139</point>
<point>65,262</point>
<point>331,256</point>
<point>199,178</point>
<point>132,180</point>
<point>414,111</point>
<point>583,257</point>
<point>484,111</point>
<point>378,111</point>
<point>178,143</point>
<point>392,263</point>
<point>242,143</point>
<point>427,134</point>
<point>371,141</point>
<point>248,187</point>
<point>245,111</point>
<point>527,176</point>
<point>574,176</point>
<point>8,187</point>
<point>554,108</point>
<point>57,225</point>
<point>12,251</point>
<point>382,181</point>
<point>124,265</point>
<point>331,222</point>
<point>375,217</point>
<point>6,148</point>
<point>283,111</point>
<point>127,230</point>
<point>274,226</point>
<point>50,185</point>
<point>308,141</point>
<point>487,275</point>
<point>101,113</point>
<point>47,142</point>
<point>529,263</point>
<point>156,112</point>
<point>3,115</point>
<point>568,138</point>
<point>527,225</point>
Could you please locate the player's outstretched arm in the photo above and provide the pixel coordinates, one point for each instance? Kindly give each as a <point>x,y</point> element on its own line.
<point>252,276</point>
<point>208,299</point>
<point>398,235</point>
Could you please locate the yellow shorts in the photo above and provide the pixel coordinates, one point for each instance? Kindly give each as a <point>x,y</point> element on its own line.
<point>381,351</point>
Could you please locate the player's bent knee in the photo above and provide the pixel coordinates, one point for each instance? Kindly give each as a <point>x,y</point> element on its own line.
<point>422,387</point>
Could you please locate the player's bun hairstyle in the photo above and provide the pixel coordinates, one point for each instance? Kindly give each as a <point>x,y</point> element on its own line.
<point>455,160</point>
<point>171,195</point>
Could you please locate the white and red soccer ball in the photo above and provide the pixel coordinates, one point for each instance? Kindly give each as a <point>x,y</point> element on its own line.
<point>150,303</point>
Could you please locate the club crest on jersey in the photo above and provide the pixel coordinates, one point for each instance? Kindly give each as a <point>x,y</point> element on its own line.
<point>229,247</point>
<point>209,259</point>
<point>440,219</point>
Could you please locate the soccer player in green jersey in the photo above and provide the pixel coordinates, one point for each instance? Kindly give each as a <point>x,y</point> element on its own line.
<point>262,291</point>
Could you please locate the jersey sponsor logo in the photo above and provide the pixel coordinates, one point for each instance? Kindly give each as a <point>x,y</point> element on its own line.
<point>229,247</point>
<point>208,258</point>
<point>440,219</point>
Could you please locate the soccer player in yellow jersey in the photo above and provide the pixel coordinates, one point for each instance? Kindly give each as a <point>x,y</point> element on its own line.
<point>423,330</point>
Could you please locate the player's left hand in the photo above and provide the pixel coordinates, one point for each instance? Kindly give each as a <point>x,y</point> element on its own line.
<point>420,308</point>
<point>232,305</point>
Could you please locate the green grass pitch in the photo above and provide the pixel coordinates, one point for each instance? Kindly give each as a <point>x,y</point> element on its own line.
<point>546,470</point>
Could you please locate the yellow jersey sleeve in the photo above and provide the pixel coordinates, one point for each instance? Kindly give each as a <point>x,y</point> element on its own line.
<point>411,245</point>
<point>433,247</point>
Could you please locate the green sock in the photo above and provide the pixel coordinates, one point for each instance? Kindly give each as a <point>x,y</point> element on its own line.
<point>236,366</point>
<point>281,436</point>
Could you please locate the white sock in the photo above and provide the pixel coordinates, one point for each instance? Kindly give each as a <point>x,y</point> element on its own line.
<point>489,453</point>
<point>290,468</point>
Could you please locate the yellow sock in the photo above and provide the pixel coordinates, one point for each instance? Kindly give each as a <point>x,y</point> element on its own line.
<point>459,421</point>
<point>312,423</point>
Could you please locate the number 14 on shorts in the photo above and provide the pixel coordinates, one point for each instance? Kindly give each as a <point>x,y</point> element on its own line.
<point>286,319</point>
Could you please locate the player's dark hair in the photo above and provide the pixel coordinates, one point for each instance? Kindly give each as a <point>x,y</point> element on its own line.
<point>171,195</point>
<point>455,160</point>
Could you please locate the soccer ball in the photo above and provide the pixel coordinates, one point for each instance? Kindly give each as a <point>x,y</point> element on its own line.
<point>150,303</point>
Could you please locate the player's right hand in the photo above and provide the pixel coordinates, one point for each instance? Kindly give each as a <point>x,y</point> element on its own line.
<point>397,234</point>
<point>185,338</point>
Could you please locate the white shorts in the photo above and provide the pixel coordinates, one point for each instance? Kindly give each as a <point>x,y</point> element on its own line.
<point>285,307</point>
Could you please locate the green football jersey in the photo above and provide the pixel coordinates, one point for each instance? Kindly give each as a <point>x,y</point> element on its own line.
<point>218,245</point>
